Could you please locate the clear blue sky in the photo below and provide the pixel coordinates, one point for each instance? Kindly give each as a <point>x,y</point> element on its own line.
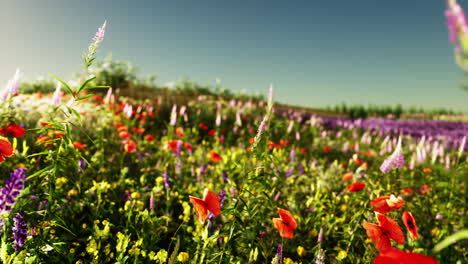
<point>316,53</point>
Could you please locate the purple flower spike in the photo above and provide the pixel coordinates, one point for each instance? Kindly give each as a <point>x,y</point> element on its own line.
<point>166,180</point>
<point>20,230</point>
<point>396,160</point>
<point>225,176</point>
<point>292,155</point>
<point>13,186</point>
<point>279,253</point>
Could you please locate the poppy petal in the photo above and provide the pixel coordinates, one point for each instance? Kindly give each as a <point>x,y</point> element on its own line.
<point>200,208</point>
<point>287,218</point>
<point>212,202</point>
<point>6,149</point>
<point>285,230</point>
<point>374,232</point>
<point>410,224</point>
<point>391,228</point>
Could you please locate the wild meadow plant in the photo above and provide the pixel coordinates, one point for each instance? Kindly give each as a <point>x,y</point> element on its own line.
<point>111,179</point>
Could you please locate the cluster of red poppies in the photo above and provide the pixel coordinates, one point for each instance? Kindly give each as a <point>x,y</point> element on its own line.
<point>6,149</point>
<point>388,229</point>
<point>285,224</point>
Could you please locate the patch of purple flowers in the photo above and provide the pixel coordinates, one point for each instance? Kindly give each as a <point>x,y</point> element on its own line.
<point>13,186</point>
<point>20,230</point>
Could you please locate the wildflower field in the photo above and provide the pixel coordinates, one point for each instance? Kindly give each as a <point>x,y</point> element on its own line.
<point>90,176</point>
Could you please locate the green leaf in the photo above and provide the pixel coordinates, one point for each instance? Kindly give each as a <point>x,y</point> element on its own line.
<point>40,172</point>
<point>83,97</point>
<point>463,234</point>
<point>83,86</point>
<point>64,84</point>
<point>78,116</point>
<point>173,258</point>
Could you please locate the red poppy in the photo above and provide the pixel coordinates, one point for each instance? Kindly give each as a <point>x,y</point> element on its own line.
<point>326,149</point>
<point>424,189</point>
<point>407,191</point>
<point>286,224</point>
<point>252,140</point>
<point>210,202</point>
<point>215,157</point>
<point>427,170</point>
<point>129,145</point>
<point>78,145</point>
<point>272,145</point>
<point>124,134</point>
<point>393,255</point>
<point>188,146</point>
<point>43,140</point>
<point>303,151</point>
<point>355,186</point>
<point>347,176</point>
<point>120,125</point>
<point>365,165</point>
<point>382,233</point>
<point>369,153</point>
<point>203,126</point>
<point>284,143</point>
<point>173,144</point>
<point>13,130</point>
<point>384,204</point>
<point>410,224</point>
<point>180,132</point>
<point>45,124</point>
<point>149,137</point>
<point>357,160</point>
<point>6,149</point>
<point>212,132</point>
<point>138,130</point>
<point>56,134</point>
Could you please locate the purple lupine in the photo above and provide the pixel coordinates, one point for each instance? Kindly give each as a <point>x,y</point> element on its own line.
<point>109,99</point>
<point>20,230</point>
<point>202,169</point>
<point>11,88</point>
<point>456,21</point>
<point>279,253</point>
<point>166,180</point>
<point>225,176</point>
<point>13,186</point>
<point>178,167</point>
<point>277,196</point>
<point>292,155</point>
<point>97,39</point>
<point>396,160</point>
<point>320,257</point>
<point>82,165</point>
<point>57,97</point>
<point>152,203</point>
<point>462,147</point>
<point>320,236</point>
<point>218,115</point>
<point>173,120</point>
<point>13,84</point>
<point>289,172</point>
<point>300,169</point>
